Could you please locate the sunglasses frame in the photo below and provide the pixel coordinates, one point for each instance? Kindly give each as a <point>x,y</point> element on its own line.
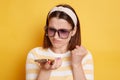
<point>59,32</point>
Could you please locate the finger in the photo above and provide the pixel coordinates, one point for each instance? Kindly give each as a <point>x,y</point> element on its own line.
<point>54,63</point>
<point>80,48</point>
<point>57,63</point>
<point>47,65</point>
<point>73,51</point>
<point>76,51</point>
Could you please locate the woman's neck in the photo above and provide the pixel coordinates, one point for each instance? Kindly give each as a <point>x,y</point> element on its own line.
<point>59,50</point>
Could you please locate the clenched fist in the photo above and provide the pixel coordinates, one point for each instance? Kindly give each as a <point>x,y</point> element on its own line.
<point>78,54</point>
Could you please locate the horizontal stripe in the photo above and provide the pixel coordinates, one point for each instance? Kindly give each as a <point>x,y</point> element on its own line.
<point>69,77</point>
<point>32,66</point>
<point>89,76</point>
<point>31,61</point>
<point>88,71</point>
<point>88,61</point>
<point>87,57</point>
<point>88,67</point>
<point>64,72</point>
<point>61,73</point>
<point>62,55</point>
<point>30,56</point>
<point>31,76</point>
<point>31,71</point>
<point>39,54</point>
<point>64,68</point>
<point>68,58</point>
<point>66,63</point>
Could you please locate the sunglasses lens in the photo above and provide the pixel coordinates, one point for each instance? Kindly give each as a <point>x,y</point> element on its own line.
<point>51,32</point>
<point>62,33</point>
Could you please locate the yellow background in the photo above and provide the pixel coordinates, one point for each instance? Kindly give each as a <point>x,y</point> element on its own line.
<point>21,29</point>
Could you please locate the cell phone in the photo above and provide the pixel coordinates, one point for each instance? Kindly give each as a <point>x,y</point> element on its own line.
<point>43,61</point>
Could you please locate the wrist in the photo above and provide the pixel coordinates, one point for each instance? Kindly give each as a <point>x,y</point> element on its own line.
<point>44,74</point>
<point>76,65</point>
<point>45,70</point>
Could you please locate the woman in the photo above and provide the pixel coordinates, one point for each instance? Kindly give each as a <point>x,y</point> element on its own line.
<point>66,58</point>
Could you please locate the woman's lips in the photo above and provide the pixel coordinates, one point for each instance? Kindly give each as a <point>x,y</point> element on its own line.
<point>55,41</point>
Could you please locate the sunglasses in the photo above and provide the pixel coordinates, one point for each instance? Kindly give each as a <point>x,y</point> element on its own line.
<point>62,33</point>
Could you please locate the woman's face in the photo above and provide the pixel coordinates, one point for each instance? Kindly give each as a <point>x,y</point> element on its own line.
<point>59,32</point>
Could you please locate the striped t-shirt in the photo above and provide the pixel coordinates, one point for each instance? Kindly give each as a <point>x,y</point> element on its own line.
<point>64,72</point>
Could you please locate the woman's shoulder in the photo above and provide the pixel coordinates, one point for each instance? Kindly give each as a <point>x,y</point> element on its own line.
<point>36,50</point>
<point>88,57</point>
<point>89,54</point>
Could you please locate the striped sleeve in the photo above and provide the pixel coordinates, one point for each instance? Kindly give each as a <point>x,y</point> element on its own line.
<point>31,67</point>
<point>88,66</point>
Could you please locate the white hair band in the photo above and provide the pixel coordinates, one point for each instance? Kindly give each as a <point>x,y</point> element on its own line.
<point>67,11</point>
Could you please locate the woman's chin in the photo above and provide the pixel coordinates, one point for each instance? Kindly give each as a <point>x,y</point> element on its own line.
<point>57,46</point>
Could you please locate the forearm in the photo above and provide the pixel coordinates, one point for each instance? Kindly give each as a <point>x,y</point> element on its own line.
<point>78,73</point>
<point>44,74</point>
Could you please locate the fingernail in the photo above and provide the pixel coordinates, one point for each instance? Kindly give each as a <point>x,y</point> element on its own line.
<point>48,62</point>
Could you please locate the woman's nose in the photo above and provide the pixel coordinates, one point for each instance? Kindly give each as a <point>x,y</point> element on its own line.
<point>56,35</point>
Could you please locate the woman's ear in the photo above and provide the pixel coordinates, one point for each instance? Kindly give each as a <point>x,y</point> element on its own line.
<point>74,31</point>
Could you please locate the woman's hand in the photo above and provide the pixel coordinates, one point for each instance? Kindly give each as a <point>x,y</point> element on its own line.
<point>47,67</point>
<point>52,65</point>
<point>77,55</point>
